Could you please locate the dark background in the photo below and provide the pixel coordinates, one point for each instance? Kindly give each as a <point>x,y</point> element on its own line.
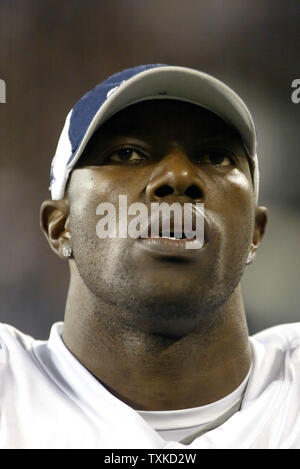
<point>52,52</point>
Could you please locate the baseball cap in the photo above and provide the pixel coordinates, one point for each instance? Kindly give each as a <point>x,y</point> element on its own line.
<point>141,83</point>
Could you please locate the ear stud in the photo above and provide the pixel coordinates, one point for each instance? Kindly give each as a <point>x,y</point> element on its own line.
<point>67,251</point>
<point>249,258</point>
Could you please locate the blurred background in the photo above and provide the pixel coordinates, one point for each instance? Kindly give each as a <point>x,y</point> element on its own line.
<point>53,51</point>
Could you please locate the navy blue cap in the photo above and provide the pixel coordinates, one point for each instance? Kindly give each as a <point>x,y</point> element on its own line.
<point>145,82</point>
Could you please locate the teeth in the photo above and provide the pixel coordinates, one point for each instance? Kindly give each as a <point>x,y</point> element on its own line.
<point>178,236</point>
<point>175,236</point>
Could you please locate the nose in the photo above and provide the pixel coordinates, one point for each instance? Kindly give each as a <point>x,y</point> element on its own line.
<point>175,175</point>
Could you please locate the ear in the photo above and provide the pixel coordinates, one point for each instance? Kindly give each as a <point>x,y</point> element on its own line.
<point>261,219</point>
<point>54,222</point>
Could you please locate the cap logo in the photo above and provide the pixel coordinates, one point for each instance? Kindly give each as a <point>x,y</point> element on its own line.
<point>115,89</point>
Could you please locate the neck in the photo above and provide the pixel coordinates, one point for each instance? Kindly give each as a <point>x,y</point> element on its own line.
<point>151,372</point>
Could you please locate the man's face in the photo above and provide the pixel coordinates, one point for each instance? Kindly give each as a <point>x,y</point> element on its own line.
<point>163,151</point>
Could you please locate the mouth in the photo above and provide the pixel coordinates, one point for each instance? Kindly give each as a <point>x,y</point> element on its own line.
<point>176,241</point>
<point>173,235</point>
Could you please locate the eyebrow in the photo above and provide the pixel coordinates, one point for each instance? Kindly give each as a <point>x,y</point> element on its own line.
<point>222,138</point>
<point>126,128</point>
<point>226,140</point>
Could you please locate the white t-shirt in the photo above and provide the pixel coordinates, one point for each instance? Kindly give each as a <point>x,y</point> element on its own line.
<point>186,424</point>
<point>49,400</point>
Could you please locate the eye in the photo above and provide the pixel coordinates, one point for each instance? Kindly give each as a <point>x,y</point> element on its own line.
<point>127,154</point>
<point>217,157</point>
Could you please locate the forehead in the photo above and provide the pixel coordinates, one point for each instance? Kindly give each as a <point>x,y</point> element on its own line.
<point>167,117</point>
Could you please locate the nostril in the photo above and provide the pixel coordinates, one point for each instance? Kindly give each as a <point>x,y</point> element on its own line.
<point>194,192</point>
<point>163,191</point>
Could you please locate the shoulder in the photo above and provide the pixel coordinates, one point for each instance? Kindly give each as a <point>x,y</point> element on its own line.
<point>283,335</point>
<point>279,343</point>
<point>18,364</point>
<point>12,342</point>
<point>8,332</point>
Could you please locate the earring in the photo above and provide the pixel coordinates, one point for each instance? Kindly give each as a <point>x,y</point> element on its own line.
<point>67,251</point>
<point>249,258</point>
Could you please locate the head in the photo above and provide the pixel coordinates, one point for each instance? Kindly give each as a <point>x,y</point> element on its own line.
<point>160,150</point>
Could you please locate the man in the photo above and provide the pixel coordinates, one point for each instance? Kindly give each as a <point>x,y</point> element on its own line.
<point>154,349</point>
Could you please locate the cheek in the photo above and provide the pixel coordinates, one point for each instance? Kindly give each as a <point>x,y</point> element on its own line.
<point>236,200</point>
<point>89,188</point>
<point>240,217</point>
<point>234,204</point>
<point>238,180</point>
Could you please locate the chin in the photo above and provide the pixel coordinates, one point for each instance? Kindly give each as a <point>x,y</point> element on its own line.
<point>170,316</point>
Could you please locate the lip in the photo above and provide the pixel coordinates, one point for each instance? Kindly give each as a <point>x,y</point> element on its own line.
<point>169,247</point>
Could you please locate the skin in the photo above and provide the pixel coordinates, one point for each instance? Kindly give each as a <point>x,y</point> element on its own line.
<point>161,333</point>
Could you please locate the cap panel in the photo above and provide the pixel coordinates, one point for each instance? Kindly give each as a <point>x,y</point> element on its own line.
<point>88,106</point>
<point>59,174</point>
<point>256,178</point>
